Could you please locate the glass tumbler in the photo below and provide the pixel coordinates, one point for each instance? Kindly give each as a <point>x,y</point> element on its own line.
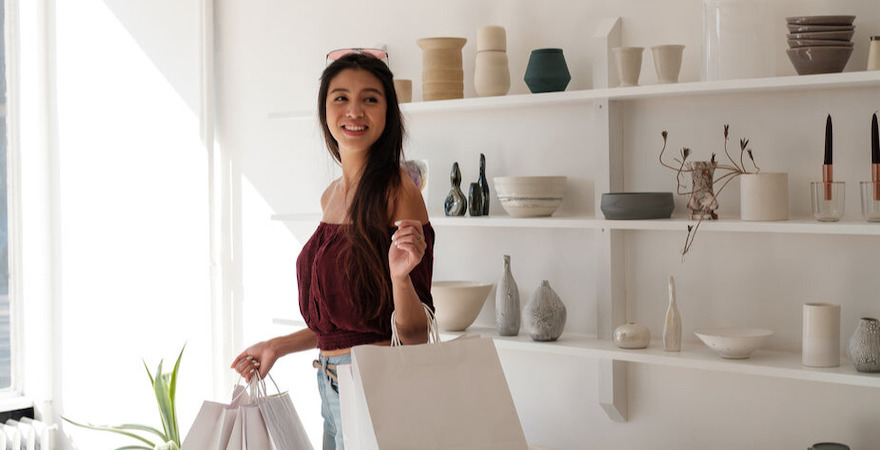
<point>828,200</point>
<point>871,200</point>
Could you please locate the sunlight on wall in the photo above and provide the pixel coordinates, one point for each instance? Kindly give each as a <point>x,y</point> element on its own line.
<point>134,225</point>
<point>270,250</point>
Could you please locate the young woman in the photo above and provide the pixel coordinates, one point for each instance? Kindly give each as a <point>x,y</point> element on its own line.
<point>373,250</point>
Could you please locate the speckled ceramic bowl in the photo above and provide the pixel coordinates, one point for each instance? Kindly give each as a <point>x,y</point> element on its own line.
<point>530,196</point>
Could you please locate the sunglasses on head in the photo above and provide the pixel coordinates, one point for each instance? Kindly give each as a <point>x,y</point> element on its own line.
<point>379,54</point>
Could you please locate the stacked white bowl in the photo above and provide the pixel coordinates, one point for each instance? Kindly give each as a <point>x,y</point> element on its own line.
<point>820,44</point>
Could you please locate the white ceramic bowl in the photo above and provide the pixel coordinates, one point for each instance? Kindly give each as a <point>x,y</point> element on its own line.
<point>530,196</point>
<point>734,343</point>
<point>457,303</point>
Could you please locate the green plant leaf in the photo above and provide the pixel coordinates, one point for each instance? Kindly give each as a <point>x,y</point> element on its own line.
<point>172,389</point>
<point>112,429</point>
<point>163,400</point>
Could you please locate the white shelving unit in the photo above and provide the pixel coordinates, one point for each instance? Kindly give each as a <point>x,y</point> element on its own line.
<point>612,281</point>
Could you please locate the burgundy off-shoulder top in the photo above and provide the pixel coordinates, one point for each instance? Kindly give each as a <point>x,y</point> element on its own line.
<point>324,298</point>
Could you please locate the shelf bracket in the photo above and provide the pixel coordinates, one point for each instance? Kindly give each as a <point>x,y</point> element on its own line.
<point>606,37</point>
<point>612,388</point>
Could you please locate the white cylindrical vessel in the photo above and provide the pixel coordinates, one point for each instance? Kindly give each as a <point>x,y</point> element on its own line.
<point>874,53</point>
<point>764,196</point>
<point>821,335</point>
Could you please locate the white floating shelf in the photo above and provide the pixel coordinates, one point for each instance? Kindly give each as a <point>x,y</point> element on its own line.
<point>697,88</point>
<point>852,228</point>
<point>769,363</point>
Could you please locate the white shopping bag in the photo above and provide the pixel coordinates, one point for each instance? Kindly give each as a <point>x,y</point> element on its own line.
<point>443,396</point>
<point>281,420</point>
<point>238,425</point>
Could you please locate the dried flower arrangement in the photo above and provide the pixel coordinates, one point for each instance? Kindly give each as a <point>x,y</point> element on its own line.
<point>705,187</point>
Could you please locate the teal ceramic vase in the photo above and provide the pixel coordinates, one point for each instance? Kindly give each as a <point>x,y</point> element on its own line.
<point>547,71</point>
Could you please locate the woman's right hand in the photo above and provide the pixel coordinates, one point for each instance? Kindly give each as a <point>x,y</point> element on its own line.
<point>258,357</point>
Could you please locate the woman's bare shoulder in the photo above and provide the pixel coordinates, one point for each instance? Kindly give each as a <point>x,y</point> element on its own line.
<point>408,201</point>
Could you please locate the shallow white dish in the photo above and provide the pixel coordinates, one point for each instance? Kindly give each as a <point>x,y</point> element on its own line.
<point>734,343</point>
<point>458,303</point>
<point>537,196</point>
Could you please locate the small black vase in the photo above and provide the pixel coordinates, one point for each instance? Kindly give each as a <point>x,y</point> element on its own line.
<point>484,185</point>
<point>475,200</point>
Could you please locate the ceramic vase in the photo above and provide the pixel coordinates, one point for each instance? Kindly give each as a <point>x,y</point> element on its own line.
<point>632,335</point>
<point>491,70</point>
<point>442,75</point>
<point>703,201</point>
<point>484,184</point>
<point>672,326</point>
<point>864,345</point>
<point>456,203</point>
<point>475,200</point>
<point>764,196</point>
<point>821,335</point>
<point>547,71</point>
<point>628,61</point>
<point>507,306</point>
<point>544,314</point>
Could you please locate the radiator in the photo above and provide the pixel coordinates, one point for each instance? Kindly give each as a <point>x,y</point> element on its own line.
<point>25,434</point>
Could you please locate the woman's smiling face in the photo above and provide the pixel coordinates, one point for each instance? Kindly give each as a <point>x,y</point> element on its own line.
<point>356,108</point>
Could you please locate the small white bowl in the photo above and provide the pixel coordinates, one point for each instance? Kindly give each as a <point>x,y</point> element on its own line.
<point>530,196</point>
<point>734,343</point>
<point>458,303</point>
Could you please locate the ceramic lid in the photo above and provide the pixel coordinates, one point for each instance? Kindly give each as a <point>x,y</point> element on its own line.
<point>491,37</point>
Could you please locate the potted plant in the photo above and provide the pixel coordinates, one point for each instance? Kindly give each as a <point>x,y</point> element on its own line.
<point>708,179</point>
<point>164,386</point>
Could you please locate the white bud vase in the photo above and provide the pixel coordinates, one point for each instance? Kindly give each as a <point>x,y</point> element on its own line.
<point>672,327</point>
<point>544,314</point>
<point>507,306</point>
<point>491,70</point>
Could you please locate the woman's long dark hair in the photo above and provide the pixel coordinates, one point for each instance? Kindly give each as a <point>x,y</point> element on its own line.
<point>367,266</point>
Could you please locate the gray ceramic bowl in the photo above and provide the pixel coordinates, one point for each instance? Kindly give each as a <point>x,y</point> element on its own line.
<point>637,205</point>
<point>821,20</point>
<point>827,35</point>
<point>794,28</point>
<point>795,43</point>
<point>812,60</point>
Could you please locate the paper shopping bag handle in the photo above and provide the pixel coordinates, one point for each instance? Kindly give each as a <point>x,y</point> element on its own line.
<point>433,328</point>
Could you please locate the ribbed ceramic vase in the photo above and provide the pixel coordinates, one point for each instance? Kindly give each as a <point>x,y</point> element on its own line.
<point>507,306</point>
<point>864,346</point>
<point>547,71</point>
<point>442,74</point>
<point>491,70</point>
<point>544,314</point>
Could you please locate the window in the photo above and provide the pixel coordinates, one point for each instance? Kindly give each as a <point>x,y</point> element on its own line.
<point>5,334</point>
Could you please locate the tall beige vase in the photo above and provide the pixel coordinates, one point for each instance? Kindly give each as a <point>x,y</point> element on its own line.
<point>442,74</point>
<point>491,71</point>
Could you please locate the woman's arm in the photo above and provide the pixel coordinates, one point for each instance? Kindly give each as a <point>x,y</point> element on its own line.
<point>407,250</point>
<point>263,355</point>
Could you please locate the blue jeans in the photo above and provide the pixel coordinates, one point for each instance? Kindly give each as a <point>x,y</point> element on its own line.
<point>330,410</point>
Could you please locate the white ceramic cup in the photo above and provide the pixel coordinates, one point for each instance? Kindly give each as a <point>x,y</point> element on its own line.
<point>667,62</point>
<point>821,335</point>
<point>628,61</point>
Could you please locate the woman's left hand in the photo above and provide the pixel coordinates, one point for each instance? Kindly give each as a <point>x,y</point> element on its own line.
<point>407,248</point>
